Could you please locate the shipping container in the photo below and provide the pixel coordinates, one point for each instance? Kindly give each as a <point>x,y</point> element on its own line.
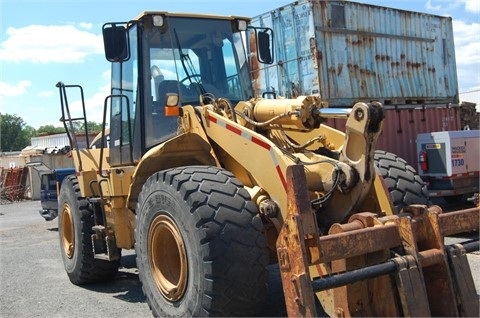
<point>61,140</point>
<point>448,161</point>
<point>349,52</point>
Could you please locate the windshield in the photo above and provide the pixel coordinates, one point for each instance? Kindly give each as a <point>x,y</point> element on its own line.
<point>196,56</point>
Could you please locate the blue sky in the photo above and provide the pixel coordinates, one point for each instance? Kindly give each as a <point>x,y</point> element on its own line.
<point>43,42</point>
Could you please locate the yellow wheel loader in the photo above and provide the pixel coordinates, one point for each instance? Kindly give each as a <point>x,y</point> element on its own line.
<point>210,184</point>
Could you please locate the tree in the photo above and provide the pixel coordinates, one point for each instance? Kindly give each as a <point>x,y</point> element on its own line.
<point>79,127</point>
<point>14,133</point>
<point>93,127</point>
<point>50,130</point>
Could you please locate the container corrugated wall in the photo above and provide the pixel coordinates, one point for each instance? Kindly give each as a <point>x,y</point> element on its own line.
<point>402,125</point>
<point>58,140</point>
<point>349,52</point>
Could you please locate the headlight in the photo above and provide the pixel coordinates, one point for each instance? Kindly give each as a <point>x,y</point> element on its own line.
<point>242,25</point>
<point>158,20</point>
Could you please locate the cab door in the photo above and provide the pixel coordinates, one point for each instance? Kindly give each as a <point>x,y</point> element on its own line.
<point>123,105</point>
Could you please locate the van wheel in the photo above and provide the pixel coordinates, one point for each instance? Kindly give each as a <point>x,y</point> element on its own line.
<point>75,221</point>
<point>199,245</point>
<point>404,184</point>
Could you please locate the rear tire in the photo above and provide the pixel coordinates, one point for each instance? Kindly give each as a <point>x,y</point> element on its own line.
<point>199,245</point>
<point>75,221</point>
<point>404,184</point>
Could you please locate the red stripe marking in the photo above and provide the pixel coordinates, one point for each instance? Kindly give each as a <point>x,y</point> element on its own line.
<point>284,182</point>
<point>212,119</point>
<point>257,141</point>
<point>261,143</point>
<point>234,129</point>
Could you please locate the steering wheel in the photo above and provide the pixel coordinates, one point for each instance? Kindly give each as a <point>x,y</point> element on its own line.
<point>191,77</point>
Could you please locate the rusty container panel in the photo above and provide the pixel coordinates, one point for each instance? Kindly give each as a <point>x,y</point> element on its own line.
<point>349,52</point>
<point>402,124</point>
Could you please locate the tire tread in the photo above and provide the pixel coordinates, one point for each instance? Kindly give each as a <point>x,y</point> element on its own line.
<point>404,184</point>
<point>89,269</point>
<point>232,243</point>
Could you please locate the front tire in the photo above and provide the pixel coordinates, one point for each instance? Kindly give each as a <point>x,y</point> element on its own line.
<point>404,184</point>
<point>199,245</point>
<point>75,221</point>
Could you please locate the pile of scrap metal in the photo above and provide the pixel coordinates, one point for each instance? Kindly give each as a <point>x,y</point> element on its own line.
<point>13,184</point>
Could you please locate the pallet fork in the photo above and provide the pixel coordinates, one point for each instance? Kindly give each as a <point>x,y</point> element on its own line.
<point>376,266</point>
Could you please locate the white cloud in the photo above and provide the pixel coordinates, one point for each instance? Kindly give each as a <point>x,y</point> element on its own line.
<point>85,25</point>
<point>107,75</point>
<point>467,42</point>
<point>467,54</point>
<point>17,89</point>
<point>93,105</point>
<point>46,94</point>
<point>471,5</point>
<point>52,43</point>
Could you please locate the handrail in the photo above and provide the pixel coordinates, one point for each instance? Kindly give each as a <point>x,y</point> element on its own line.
<point>70,128</point>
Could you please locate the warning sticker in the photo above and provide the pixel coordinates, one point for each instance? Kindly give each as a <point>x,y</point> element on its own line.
<point>433,146</point>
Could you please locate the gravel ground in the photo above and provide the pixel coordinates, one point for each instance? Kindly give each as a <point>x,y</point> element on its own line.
<point>33,282</point>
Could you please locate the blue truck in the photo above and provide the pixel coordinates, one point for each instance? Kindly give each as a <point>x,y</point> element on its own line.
<point>50,187</point>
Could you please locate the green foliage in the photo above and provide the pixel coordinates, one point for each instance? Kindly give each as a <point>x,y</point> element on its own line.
<point>79,127</point>
<point>93,127</point>
<point>14,133</point>
<point>50,130</point>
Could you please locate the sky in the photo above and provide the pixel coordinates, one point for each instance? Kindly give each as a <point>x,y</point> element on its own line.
<point>44,42</point>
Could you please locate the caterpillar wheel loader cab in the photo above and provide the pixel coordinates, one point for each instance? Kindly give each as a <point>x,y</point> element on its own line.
<point>209,183</point>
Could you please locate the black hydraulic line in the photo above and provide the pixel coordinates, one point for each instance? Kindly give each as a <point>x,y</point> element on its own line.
<point>389,267</point>
<point>472,246</point>
<point>341,279</point>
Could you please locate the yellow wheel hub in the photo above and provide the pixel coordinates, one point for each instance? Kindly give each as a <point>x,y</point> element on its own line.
<point>167,257</point>
<point>67,231</point>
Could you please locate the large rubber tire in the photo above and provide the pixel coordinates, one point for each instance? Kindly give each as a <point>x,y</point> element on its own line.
<point>199,244</point>
<point>404,184</point>
<point>75,221</point>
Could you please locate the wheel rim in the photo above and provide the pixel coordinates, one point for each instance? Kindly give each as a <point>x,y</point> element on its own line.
<point>67,231</point>
<point>167,257</point>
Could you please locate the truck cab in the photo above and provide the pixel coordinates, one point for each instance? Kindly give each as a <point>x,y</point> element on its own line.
<point>49,188</point>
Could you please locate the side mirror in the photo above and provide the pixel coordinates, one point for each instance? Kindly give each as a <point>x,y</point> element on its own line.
<point>115,41</point>
<point>265,45</point>
<point>261,42</point>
